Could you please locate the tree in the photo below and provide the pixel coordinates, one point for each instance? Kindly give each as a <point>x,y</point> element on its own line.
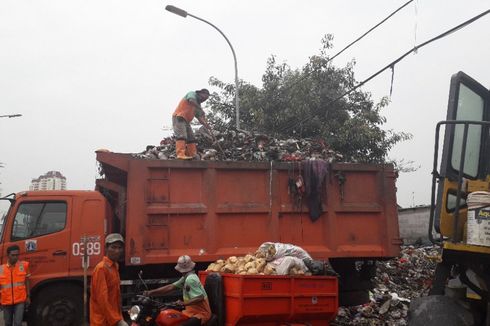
<point>307,103</point>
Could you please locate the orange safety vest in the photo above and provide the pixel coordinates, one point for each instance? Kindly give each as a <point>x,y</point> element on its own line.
<point>13,283</point>
<point>186,110</point>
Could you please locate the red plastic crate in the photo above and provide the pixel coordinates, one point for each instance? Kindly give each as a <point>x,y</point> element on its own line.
<point>272,300</point>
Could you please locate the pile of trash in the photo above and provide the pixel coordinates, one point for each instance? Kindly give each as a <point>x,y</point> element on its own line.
<point>233,145</point>
<point>397,281</point>
<point>273,258</point>
<point>269,259</point>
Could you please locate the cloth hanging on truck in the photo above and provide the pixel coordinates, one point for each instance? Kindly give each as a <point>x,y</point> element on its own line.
<point>296,187</point>
<point>315,173</point>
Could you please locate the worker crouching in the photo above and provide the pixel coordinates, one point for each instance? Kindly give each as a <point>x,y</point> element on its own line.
<point>188,108</point>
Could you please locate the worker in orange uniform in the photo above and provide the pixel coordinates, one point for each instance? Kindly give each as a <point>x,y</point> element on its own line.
<point>14,287</point>
<point>188,108</point>
<point>196,301</point>
<point>105,298</point>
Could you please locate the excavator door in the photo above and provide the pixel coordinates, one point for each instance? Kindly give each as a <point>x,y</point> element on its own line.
<point>465,154</point>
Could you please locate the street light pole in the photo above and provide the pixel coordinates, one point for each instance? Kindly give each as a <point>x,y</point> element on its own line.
<point>183,13</point>
<point>11,115</point>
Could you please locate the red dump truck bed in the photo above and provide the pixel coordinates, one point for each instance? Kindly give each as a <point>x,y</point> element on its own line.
<point>214,209</point>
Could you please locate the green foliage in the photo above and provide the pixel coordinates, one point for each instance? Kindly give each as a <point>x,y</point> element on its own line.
<point>305,103</point>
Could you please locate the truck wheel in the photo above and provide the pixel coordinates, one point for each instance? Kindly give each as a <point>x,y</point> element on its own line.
<point>353,298</point>
<point>350,278</point>
<point>441,275</point>
<point>214,289</point>
<point>59,305</point>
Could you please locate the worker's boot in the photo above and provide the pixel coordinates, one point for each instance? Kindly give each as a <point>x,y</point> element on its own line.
<point>191,150</point>
<point>180,150</point>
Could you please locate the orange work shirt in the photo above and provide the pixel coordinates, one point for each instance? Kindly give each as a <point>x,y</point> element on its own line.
<point>188,110</point>
<point>192,288</point>
<point>105,296</point>
<point>13,283</point>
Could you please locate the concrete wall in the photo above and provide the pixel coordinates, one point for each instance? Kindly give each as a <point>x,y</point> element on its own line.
<point>414,224</point>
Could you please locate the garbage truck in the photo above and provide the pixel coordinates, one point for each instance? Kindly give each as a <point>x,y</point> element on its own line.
<point>206,209</point>
<point>460,213</point>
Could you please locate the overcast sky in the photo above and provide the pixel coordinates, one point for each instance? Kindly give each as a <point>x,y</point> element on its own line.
<point>92,74</point>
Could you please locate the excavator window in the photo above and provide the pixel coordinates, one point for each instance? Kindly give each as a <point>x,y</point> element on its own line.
<point>451,201</point>
<point>467,102</point>
<point>465,147</point>
<point>470,107</point>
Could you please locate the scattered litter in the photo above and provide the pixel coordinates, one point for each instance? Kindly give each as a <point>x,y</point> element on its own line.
<point>397,282</point>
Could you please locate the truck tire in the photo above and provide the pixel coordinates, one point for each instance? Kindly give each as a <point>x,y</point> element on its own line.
<point>353,298</point>
<point>350,279</point>
<point>57,305</point>
<point>214,289</point>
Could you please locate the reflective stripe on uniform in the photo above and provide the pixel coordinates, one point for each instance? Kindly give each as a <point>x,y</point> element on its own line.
<point>13,289</point>
<point>8,286</point>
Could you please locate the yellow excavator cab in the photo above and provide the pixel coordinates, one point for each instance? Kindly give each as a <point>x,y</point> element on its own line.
<point>463,170</point>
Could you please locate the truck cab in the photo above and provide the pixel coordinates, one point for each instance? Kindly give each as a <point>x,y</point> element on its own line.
<point>56,231</point>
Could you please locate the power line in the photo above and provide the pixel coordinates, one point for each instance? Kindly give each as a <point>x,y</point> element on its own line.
<point>369,31</point>
<point>359,38</point>
<point>392,64</point>
<point>306,74</point>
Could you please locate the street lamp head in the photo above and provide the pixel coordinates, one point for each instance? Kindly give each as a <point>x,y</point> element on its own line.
<point>176,11</point>
<point>11,115</point>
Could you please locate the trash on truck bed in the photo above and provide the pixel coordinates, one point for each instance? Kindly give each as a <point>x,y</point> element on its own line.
<point>242,145</point>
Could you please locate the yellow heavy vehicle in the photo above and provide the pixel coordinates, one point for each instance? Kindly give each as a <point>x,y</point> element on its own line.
<point>460,212</point>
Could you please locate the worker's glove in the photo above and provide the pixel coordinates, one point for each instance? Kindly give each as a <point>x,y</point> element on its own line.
<point>122,323</point>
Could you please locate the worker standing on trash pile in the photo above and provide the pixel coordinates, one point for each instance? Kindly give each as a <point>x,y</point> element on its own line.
<point>195,298</point>
<point>188,108</point>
